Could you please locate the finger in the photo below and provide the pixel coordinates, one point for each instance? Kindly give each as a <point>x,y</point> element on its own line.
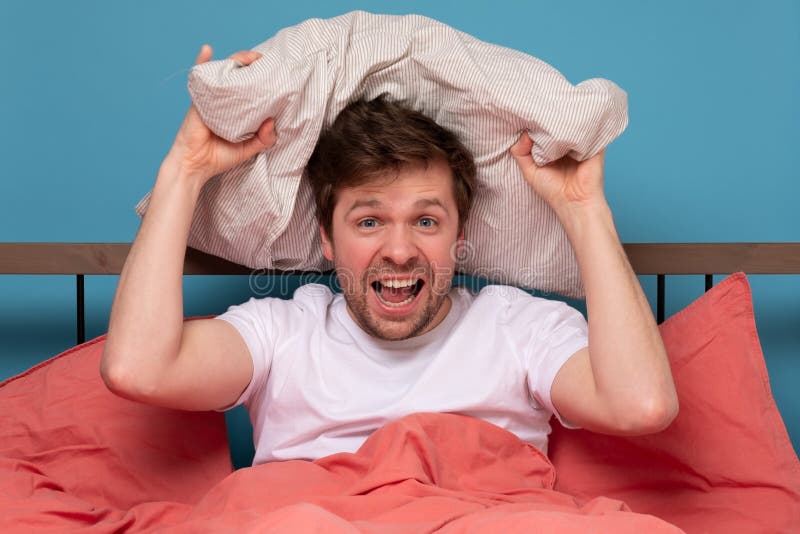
<point>523,145</point>
<point>264,138</point>
<point>204,55</point>
<point>245,57</point>
<point>266,133</point>
<point>521,150</point>
<point>601,156</point>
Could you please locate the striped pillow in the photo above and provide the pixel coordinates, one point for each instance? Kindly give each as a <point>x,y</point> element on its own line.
<point>261,213</point>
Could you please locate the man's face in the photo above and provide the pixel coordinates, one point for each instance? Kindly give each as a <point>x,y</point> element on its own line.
<point>393,246</point>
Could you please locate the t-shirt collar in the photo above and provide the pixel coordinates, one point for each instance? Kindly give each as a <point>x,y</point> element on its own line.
<point>363,338</point>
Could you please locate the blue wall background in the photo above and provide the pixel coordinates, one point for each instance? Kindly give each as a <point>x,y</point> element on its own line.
<point>92,93</point>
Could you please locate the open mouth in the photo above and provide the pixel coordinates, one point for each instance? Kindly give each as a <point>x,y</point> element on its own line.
<point>397,293</point>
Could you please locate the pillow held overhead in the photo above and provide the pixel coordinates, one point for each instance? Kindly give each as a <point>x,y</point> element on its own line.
<point>261,213</point>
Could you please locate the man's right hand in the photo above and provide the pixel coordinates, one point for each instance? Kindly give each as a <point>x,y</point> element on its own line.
<point>150,355</point>
<point>199,153</point>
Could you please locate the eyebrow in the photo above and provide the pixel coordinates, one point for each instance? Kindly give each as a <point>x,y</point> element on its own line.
<point>374,203</point>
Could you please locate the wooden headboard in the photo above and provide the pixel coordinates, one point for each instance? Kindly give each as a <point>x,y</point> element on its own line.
<point>659,259</point>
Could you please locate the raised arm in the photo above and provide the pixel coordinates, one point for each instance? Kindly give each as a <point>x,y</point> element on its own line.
<point>150,355</point>
<point>621,384</point>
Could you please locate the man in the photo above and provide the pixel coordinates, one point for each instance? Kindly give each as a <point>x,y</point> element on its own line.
<point>320,372</point>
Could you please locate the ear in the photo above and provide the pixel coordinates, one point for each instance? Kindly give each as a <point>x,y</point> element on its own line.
<point>327,245</point>
<point>460,245</point>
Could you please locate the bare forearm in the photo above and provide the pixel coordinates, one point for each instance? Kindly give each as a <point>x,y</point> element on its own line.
<point>147,314</point>
<point>627,354</point>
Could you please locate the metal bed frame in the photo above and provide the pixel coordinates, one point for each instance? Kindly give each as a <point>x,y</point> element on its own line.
<point>659,259</point>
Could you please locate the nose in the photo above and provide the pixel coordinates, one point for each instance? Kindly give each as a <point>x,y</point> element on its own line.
<point>399,246</point>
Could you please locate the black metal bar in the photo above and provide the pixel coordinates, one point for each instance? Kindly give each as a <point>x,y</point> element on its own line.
<point>80,310</point>
<point>709,281</point>
<point>660,290</point>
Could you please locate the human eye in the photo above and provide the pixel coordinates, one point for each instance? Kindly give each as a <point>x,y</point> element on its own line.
<point>427,222</point>
<point>367,223</point>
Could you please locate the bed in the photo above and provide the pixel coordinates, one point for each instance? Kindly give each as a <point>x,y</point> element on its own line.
<point>75,457</point>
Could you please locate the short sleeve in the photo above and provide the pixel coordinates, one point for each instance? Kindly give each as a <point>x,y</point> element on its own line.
<point>252,320</point>
<point>559,333</point>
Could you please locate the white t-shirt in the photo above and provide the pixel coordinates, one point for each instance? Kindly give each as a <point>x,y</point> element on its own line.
<point>322,385</point>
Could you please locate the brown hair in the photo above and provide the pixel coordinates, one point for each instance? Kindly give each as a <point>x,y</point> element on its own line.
<point>370,139</point>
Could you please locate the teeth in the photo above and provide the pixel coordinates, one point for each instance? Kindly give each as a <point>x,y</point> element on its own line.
<point>398,283</point>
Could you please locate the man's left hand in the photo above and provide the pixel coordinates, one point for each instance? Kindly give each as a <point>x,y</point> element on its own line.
<point>564,183</point>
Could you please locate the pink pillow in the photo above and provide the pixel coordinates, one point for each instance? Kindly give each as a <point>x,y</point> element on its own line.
<point>726,463</point>
<point>61,428</point>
